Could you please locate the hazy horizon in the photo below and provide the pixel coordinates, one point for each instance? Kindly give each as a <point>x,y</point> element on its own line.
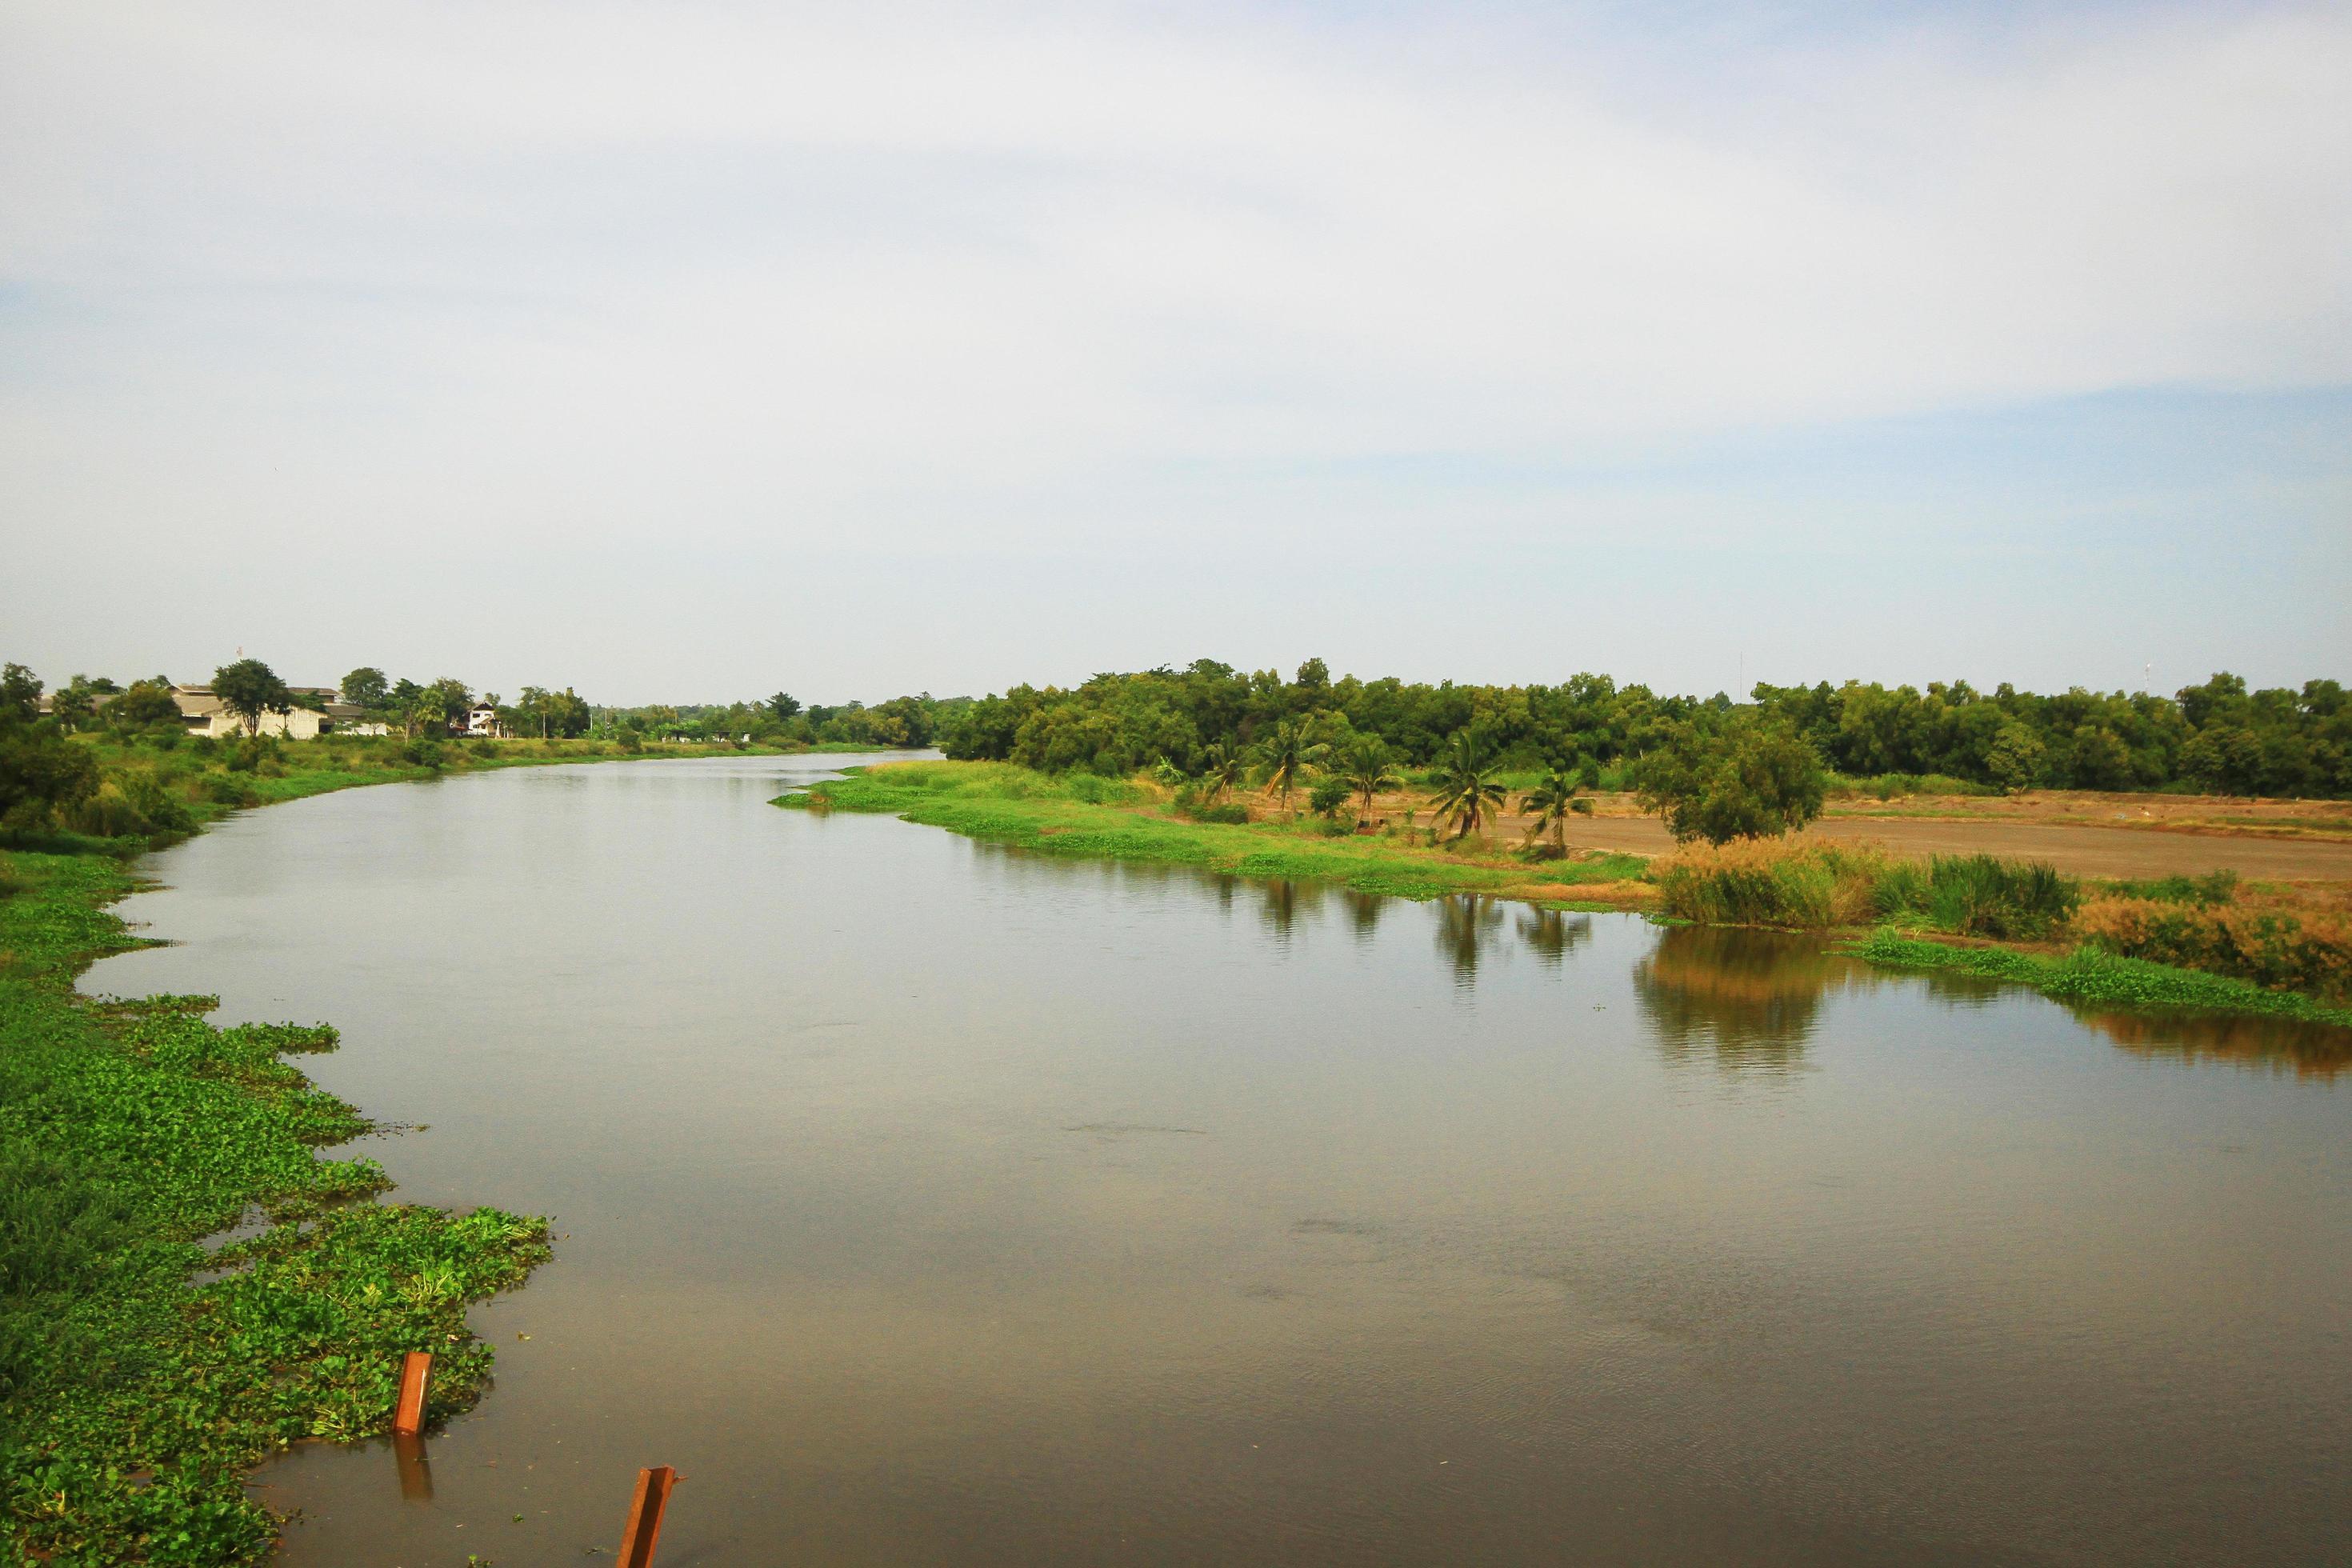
<point>690,353</point>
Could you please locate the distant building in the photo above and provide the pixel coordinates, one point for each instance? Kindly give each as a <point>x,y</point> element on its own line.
<point>202,713</point>
<point>482,719</point>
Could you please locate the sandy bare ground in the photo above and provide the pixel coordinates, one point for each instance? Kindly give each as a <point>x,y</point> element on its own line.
<point>2080,850</point>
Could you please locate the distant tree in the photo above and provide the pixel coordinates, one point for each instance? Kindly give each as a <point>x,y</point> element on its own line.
<point>1466,788</point>
<point>40,770</point>
<point>1290,748</point>
<point>144,705</point>
<point>2224,759</point>
<point>1750,780</point>
<point>249,688</point>
<point>20,693</point>
<point>366,688</point>
<point>1328,795</point>
<point>1221,769</point>
<point>75,705</point>
<point>1550,804</point>
<point>1365,766</point>
<point>2014,760</point>
<point>784,705</point>
<point>568,713</point>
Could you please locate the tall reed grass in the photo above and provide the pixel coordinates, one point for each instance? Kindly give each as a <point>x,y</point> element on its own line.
<point>1978,895</point>
<point>1801,883</point>
<point>1771,882</point>
<point>2272,948</point>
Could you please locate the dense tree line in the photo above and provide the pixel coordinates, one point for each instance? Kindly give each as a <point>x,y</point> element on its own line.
<point>2217,736</point>
<point>783,720</point>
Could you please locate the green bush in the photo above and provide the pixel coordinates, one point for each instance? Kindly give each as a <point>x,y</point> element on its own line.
<point>226,789</point>
<point>2211,891</point>
<point>1978,895</point>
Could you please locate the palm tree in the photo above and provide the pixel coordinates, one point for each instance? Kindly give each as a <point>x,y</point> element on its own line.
<point>1292,747</point>
<point>1221,769</point>
<point>1365,769</point>
<point>1466,791</point>
<point>1551,800</point>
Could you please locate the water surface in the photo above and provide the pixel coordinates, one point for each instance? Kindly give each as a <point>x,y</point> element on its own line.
<point>927,1202</point>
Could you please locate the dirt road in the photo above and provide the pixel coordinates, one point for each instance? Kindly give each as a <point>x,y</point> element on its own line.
<point>2082,851</point>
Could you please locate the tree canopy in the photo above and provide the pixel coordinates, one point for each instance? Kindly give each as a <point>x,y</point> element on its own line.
<point>250,689</point>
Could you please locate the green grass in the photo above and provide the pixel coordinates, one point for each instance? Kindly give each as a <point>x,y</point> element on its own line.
<point>132,1399</point>
<point>2212,891</point>
<point>1979,895</point>
<point>2092,977</point>
<point>1085,816</point>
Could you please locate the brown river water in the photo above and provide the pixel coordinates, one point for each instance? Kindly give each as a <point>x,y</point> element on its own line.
<point>925,1202</point>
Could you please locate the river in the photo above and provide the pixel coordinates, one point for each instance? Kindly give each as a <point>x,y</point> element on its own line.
<point>925,1202</point>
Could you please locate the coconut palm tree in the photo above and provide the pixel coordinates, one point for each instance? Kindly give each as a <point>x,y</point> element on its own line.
<point>1364,767</point>
<point>1551,802</point>
<point>1289,749</point>
<point>1221,769</point>
<point>1466,788</point>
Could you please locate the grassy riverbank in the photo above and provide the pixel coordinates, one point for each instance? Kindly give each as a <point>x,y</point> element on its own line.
<point>1086,816</point>
<point>2092,977</point>
<point>151,793</point>
<point>2241,950</point>
<point>135,1393</point>
<point>132,1399</point>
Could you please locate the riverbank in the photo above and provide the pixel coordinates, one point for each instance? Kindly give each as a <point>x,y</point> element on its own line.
<point>1086,816</point>
<point>144,1370</point>
<point>1895,918</point>
<point>133,1395</point>
<point>151,793</point>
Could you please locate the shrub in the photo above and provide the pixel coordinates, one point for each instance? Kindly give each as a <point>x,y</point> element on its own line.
<point>2216,888</point>
<point>1229,812</point>
<point>2270,948</point>
<point>226,789</point>
<point>132,806</point>
<point>1978,895</point>
<point>1329,798</point>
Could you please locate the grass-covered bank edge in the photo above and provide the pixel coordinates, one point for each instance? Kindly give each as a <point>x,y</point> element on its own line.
<point>136,1395</point>
<point>1086,816</point>
<point>2089,976</point>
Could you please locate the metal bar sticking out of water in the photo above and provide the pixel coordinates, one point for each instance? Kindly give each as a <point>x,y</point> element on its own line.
<point>643,1528</point>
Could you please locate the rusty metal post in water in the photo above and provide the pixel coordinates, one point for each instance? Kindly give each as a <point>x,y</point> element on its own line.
<point>408,1418</point>
<point>646,1516</point>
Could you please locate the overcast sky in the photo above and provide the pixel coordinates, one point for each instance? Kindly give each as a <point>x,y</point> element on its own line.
<point>686,351</point>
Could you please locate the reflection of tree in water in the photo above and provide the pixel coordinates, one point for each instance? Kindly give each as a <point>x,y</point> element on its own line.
<point>1363,910</point>
<point>1466,924</point>
<point>1751,997</point>
<point>1552,933</point>
<point>1283,902</point>
<point>2277,1045</point>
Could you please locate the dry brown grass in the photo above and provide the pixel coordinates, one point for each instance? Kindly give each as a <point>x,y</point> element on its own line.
<point>1771,881</point>
<point>2261,940</point>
